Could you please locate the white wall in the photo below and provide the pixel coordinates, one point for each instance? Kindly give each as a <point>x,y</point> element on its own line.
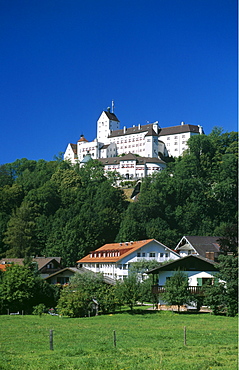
<point>152,251</point>
<point>192,276</point>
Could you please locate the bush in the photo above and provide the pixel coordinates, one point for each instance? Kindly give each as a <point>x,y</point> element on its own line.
<point>39,309</point>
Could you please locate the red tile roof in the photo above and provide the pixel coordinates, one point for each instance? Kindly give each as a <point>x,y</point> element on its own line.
<point>114,252</point>
<point>82,138</point>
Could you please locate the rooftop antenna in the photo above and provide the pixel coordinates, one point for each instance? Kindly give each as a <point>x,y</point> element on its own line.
<point>113,105</point>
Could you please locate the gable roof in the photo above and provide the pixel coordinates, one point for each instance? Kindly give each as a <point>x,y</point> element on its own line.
<point>41,261</point>
<point>81,270</point>
<point>188,263</point>
<point>135,130</point>
<point>179,129</point>
<point>111,116</point>
<point>74,148</point>
<point>130,157</point>
<point>115,252</point>
<point>201,244</point>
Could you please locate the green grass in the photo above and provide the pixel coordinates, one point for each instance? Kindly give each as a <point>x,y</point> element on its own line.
<point>145,341</point>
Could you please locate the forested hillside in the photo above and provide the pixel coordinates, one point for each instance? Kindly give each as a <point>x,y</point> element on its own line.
<point>54,209</point>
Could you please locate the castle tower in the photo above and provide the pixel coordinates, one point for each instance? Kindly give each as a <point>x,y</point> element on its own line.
<point>106,123</point>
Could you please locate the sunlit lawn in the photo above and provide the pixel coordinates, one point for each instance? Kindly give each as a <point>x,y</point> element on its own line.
<point>145,341</point>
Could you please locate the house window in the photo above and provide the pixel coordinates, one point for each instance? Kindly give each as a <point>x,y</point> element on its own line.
<point>161,254</point>
<point>138,254</point>
<point>62,280</point>
<point>166,255</point>
<point>203,281</point>
<point>152,254</point>
<point>143,254</point>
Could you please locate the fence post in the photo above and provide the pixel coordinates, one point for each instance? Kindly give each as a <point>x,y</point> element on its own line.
<point>51,340</point>
<point>185,337</point>
<point>114,338</point>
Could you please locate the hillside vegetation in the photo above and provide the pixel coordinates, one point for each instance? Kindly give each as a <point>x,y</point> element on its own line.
<point>55,209</point>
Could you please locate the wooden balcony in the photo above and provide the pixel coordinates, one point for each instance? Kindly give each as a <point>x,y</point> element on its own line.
<point>197,290</point>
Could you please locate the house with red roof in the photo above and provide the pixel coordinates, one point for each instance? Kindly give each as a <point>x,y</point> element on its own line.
<point>114,259</point>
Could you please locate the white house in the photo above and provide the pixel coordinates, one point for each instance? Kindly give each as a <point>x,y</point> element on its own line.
<point>146,141</point>
<point>114,259</point>
<point>199,270</point>
<point>133,167</point>
<point>175,138</point>
<point>205,246</point>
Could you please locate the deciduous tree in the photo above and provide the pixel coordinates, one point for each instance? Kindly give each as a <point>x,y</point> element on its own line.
<point>176,290</point>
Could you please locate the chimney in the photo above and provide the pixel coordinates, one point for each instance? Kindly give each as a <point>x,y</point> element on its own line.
<point>125,129</point>
<point>139,126</point>
<point>182,123</point>
<point>210,255</point>
<point>200,129</point>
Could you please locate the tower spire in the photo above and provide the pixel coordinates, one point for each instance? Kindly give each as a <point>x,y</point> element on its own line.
<point>113,105</point>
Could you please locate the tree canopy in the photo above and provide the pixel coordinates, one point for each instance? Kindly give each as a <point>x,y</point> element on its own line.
<point>57,209</point>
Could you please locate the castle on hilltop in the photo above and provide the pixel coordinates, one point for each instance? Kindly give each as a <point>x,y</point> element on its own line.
<point>134,152</point>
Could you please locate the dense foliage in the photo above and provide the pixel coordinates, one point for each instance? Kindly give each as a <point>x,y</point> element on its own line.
<point>222,296</point>
<point>176,290</point>
<point>86,294</point>
<point>21,289</point>
<point>55,209</point>
<point>195,195</point>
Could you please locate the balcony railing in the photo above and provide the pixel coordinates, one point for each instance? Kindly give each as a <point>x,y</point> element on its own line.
<point>158,289</point>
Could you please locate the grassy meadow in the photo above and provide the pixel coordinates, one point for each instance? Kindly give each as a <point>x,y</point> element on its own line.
<point>145,340</point>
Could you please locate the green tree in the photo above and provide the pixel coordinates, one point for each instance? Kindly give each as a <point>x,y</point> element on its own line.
<point>20,236</point>
<point>176,290</point>
<point>128,291</point>
<point>229,238</point>
<point>17,288</point>
<point>222,296</point>
<point>83,291</point>
<point>73,303</point>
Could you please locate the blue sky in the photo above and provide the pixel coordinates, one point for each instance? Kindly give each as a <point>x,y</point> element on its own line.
<point>63,61</point>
